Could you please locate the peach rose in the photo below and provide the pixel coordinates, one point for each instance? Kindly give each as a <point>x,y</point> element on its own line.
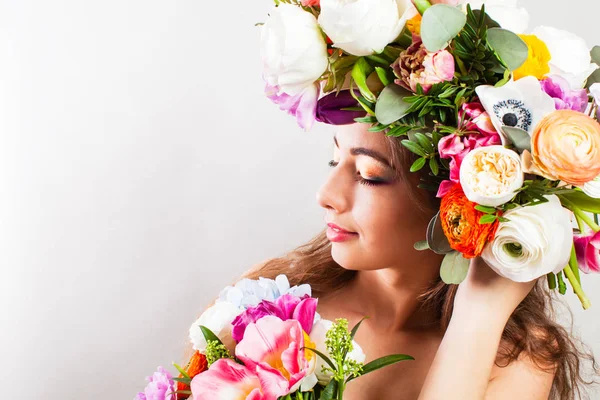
<point>565,145</point>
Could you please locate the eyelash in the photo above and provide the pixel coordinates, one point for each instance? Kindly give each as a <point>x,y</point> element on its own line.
<point>360,180</point>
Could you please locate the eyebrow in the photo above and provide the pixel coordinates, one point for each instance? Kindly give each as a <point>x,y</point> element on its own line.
<point>366,152</point>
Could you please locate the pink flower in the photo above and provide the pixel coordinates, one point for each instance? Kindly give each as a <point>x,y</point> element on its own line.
<point>587,249</point>
<point>564,97</point>
<point>228,380</point>
<point>303,105</point>
<point>285,308</point>
<point>456,146</point>
<point>311,3</point>
<point>449,2</point>
<point>272,348</point>
<point>439,66</point>
<point>160,387</point>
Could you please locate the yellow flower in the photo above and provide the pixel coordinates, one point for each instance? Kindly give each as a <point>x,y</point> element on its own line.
<point>414,24</point>
<point>538,60</point>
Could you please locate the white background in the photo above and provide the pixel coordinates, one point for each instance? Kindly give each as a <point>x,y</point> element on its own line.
<point>141,170</point>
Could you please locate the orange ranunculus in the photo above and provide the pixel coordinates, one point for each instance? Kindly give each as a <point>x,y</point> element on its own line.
<point>565,145</point>
<point>460,223</point>
<point>196,365</point>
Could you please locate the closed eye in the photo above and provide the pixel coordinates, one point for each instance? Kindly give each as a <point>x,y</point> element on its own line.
<point>359,178</point>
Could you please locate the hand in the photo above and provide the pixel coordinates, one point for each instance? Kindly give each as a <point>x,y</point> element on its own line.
<point>485,290</point>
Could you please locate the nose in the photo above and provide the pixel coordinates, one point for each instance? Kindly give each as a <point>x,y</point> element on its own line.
<point>334,194</point>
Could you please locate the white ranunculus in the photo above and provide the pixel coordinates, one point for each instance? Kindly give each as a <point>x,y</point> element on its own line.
<point>571,57</point>
<point>294,52</point>
<point>595,92</point>
<point>490,175</point>
<point>364,27</point>
<point>317,336</point>
<point>520,103</point>
<point>592,188</point>
<point>504,12</point>
<point>535,241</point>
<point>218,319</point>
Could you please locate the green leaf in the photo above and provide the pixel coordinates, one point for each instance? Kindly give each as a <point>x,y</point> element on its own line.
<point>441,23</point>
<point>183,380</point>
<point>421,245</point>
<point>382,362</point>
<point>399,130</point>
<point>484,209</point>
<point>356,327</point>
<point>418,164</point>
<point>595,77</point>
<point>454,268</point>
<point>382,74</point>
<point>509,47</point>
<point>424,141</point>
<point>330,391</point>
<point>182,371</point>
<point>209,336</point>
<point>414,147</point>
<point>360,72</point>
<point>562,286</point>
<point>390,105</point>
<point>433,165</point>
<point>519,137</point>
<point>582,201</point>
<point>323,356</point>
<point>487,20</point>
<point>487,219</point>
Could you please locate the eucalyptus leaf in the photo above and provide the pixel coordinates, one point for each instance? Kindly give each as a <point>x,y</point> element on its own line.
<point>436,240</point>
<point>509,47</point>
<point>441,23</point>
<point>381,363</point>
<point>454,268</point>
<point>360,72</point>
<point>390,105</point>
<point>595,77</point>
<point>519,137</point>
<point>421,245</point>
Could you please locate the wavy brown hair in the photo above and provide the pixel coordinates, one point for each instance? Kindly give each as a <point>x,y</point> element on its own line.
<point>532,329</point>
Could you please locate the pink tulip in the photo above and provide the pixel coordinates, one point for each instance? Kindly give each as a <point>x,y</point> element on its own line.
<point>587,249</point>
<point>303,105</point>
<point>272,348</point>
<point>285,307</point>
<point>477,118</point>
<point>228,380</point>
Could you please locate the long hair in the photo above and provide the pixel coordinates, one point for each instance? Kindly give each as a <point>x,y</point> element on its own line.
<point>532,328</point>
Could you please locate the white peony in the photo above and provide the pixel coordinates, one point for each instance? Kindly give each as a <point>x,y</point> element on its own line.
<point>218,319</point>
<point>294,52</point>
<point>364,27</point>
<point>592,188</point>
<point>504,12</point>
<point>571,57</point>
<point>491,175</point>
<point>535,241</point>
<point>317,336</point>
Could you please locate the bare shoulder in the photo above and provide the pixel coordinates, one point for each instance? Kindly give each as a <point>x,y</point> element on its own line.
<point>523,379</point>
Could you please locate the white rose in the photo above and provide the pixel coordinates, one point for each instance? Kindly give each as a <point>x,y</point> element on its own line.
<point>571,57</point>
<point>317,336</point>
<point>592,188</point>
<point>364,27</point>
<point>490,175</point>
<point>504,12</point>
<point>218,319</point>
<point>535,241</point>
<point>294,52</point>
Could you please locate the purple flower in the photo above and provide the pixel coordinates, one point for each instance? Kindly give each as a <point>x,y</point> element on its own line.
<point>285,308</point>
<point>565,98</point>
<point>587,249</point>
<point>302,105</point>
<point>160,387</point>
<point>331,109</point>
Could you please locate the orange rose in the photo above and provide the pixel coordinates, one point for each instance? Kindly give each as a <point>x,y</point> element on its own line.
<point>196,365</point>
<point>565,145</point>
<point>460,223</point>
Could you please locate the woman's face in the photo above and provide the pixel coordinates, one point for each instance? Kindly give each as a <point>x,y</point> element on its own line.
<point>364,195</point>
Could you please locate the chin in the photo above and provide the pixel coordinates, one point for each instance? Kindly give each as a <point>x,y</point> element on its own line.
<point>352,259</point>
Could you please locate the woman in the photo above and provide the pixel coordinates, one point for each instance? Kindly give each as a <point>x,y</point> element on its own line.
<point>488,337</point>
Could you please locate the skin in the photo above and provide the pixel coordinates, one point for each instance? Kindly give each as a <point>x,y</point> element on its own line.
<point>455,364</point>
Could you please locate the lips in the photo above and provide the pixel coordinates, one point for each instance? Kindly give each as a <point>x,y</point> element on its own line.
<point>338,229</point>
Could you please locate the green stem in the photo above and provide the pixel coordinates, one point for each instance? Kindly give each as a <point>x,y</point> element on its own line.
<point>341,390</point>
<point>573,264</point>
<point>422,5</point>
<point>551,281</point>
<point>585,302</point>
<point>562,287</point>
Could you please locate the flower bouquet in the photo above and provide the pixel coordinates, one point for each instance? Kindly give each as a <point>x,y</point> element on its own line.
<point>502,121</point>
<point>264,340</point>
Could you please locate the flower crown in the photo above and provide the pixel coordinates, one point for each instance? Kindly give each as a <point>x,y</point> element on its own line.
<point>505,123</point>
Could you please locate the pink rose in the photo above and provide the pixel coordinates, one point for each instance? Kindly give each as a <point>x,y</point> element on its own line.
<point>437,67</point>
<point>587,249</point>
<point>311,3</point>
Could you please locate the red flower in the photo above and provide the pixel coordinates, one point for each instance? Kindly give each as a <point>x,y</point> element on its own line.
<point>196,365</point>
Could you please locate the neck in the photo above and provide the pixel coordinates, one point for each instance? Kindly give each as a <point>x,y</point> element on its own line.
<point>389,297</point>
